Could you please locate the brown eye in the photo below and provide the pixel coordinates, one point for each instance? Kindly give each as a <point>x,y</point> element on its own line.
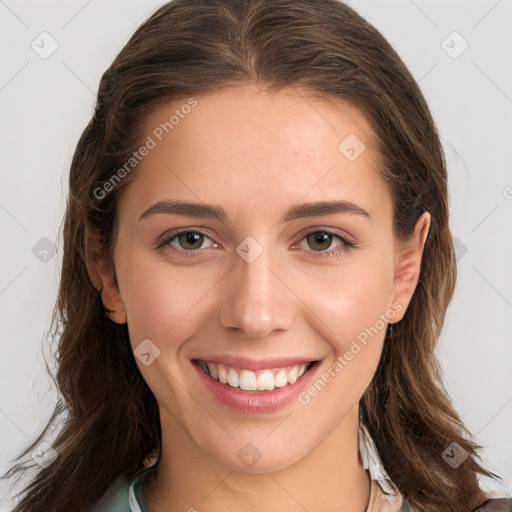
<point>190,238</point>
<point>185,241</point>
<point>319,240</point>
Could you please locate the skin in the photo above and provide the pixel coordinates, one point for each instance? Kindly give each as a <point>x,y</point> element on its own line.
<point>257,154</point>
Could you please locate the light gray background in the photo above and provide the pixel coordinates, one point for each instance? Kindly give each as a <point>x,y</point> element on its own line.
<point>46,102</point>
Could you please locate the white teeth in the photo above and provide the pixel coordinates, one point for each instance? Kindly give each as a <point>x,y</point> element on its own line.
<point>265,381</point>
<point>262,380</point>
<point>213,370</point>
<point>293,374</point>
<point>233,378</point>
<point>247,380</point>
<point>222,374</point>
<point>280,379</point>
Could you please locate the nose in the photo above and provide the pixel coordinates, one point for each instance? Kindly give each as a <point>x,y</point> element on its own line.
<point>256,300</point>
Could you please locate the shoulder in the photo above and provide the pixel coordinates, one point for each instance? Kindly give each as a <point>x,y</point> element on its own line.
<point>115,499</point>
<point>386,497</point>
<point>496,505</point>
<point>124,495</point>
<point>491,505</point>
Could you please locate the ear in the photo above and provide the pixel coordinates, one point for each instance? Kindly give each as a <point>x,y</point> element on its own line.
<point>408,265</point>
<point>102,274</point>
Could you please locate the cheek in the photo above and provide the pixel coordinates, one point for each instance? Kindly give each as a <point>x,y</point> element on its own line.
<point>351,299</point>
<point>161,302</point>
<point>354,313</point>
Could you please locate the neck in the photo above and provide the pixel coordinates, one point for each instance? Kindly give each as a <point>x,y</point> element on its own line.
<point>332,477</point>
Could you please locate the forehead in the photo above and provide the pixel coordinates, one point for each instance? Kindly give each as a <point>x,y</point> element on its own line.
<point>242,146</point>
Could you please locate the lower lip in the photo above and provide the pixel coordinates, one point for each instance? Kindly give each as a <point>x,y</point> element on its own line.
<point>248,402</point>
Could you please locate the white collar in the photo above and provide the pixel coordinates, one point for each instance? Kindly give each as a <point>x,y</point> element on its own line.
<point>372,462</point>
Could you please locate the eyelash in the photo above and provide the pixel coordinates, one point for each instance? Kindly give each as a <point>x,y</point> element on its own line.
<point>347,245</point>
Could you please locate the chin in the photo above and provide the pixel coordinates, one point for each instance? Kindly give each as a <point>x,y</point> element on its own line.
<point>261,455</point>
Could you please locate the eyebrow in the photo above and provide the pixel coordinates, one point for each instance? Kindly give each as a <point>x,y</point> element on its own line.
<point>299,211</point>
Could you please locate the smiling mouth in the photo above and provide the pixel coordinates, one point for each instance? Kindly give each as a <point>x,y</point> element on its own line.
<point>259,380</point>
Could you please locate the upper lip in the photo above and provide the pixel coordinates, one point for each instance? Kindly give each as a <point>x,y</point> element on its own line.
<point>249,363</point>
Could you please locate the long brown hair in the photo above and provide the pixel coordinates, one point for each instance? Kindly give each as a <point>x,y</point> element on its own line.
<point>108,417</point>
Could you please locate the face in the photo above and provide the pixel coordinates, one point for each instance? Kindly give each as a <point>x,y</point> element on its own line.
<point>288,302</point>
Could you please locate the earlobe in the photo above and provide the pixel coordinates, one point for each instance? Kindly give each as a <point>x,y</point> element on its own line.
<point>408,265</point>
<point>102,275</point>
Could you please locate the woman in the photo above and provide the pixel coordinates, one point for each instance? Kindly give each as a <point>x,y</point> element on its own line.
<point>258,368</point>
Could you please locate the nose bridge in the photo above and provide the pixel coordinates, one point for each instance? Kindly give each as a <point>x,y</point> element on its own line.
<point>256,301</point>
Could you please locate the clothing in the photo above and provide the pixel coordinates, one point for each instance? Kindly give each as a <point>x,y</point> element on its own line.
<point>126,496</point>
